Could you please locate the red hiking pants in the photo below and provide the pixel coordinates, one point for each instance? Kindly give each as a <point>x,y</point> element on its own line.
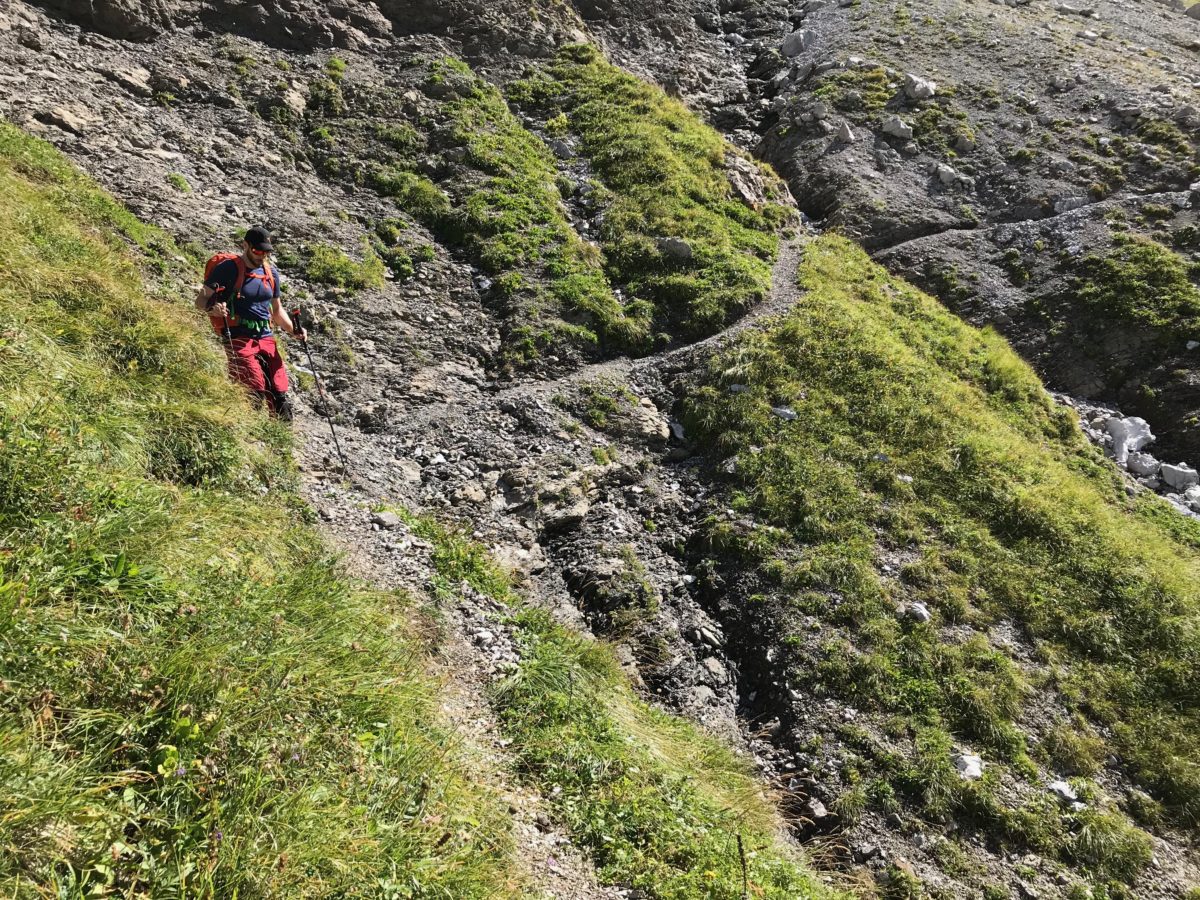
<point>256,363</point>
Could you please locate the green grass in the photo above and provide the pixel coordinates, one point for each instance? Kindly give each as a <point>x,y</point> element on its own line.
<point>1006,513</point>
<point>329,265</point>
<point>1140,283</point>
<point>179,182</point>
<point>657,803</point>
<point>515,221</point>
<point>195,701</point>
<point>665,170</point>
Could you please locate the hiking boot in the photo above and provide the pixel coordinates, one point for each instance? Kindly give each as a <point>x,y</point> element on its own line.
<point>284,408</point>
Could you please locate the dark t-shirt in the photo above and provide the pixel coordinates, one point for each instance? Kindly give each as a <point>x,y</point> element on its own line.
<point>250,311</point>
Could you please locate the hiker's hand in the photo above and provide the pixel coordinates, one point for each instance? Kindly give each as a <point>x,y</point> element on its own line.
<point>300,334</point>
<point>219,310</point>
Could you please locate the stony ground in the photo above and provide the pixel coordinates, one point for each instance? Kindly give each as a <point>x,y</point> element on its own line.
<point>584,484</point>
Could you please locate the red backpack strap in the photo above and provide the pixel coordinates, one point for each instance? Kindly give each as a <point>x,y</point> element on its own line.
<point>241,276</point>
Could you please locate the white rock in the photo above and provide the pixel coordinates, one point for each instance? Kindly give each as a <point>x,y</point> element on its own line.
<point>820,110</point>
<point>1129,435</point>
<point>1180,477</point>
<point>1192,345</point>
<point>784,412</point>
<point>1143,464</point>
<point>946,175</point>
<point>1063,791</point>
<point>897,127</point>
<point>918,612</point>
<point>846,133</point>
<point>919,88</point>
<point>797,42</point>
<point>970,766</point>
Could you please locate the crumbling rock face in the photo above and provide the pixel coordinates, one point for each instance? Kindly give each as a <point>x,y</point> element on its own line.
<point>123,19</point>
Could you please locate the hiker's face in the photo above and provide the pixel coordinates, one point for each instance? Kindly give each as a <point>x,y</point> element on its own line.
<point>259,255</point>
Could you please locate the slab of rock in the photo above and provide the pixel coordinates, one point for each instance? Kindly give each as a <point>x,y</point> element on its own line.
<point>796,43</point>
<point>897,127</point>
<point>388,520</point>
<point>845,133</point>
<point>642,422</point>
<point>1180,477</point>
<point>675,248</point>
<point>918,88</point>
<point>134,79</point>
<point>69,119</point>
<point>1143,464</point>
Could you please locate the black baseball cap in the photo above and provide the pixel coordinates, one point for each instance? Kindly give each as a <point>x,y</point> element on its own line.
<point>258,238</point>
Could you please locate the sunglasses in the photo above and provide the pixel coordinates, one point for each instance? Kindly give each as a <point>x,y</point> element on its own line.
<point>259,252</point>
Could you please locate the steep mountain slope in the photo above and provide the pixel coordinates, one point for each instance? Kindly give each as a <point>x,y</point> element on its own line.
<point>198,701</point>
<point>859,543</point>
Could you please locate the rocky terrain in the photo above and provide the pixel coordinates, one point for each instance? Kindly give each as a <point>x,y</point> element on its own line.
<point>517,335</point>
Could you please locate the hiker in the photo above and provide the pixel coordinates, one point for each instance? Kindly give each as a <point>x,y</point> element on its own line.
<point>241,296</point>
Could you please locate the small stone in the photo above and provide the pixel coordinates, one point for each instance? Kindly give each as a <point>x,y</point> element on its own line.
<point>484,638</point>
<point>898,128</point>
<point>1192,345</point>
<point>784,412</point>
<point>675,248</point>
<point>918,612</point>
<point>815,809</point>
<point>969,766</point>
<point>1063,791</point>
<point>388,520</point>
<point>918,88</point>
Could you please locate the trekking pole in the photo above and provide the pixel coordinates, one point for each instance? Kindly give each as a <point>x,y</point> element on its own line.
<point>295,316</point>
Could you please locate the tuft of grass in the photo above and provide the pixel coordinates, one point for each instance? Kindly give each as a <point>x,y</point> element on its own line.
<point>1007,513</point>
<point>329,265</point>
<point>195,700</point>
<point>179,182</point>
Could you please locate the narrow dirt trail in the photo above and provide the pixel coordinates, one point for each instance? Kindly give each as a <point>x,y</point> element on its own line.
<point>394,559</point>
<point>554,866</point>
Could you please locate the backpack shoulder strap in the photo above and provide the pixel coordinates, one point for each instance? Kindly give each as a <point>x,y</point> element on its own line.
<point>241,275</point>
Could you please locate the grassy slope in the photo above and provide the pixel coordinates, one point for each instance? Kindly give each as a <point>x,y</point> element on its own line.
<point>657,172</point>
<point>192,698</point>
<point>658,804</point>
<point>666,173</point>
<point>1009,516</point>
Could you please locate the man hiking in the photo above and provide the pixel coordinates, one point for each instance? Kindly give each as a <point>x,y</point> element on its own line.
<point>241,296</point>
